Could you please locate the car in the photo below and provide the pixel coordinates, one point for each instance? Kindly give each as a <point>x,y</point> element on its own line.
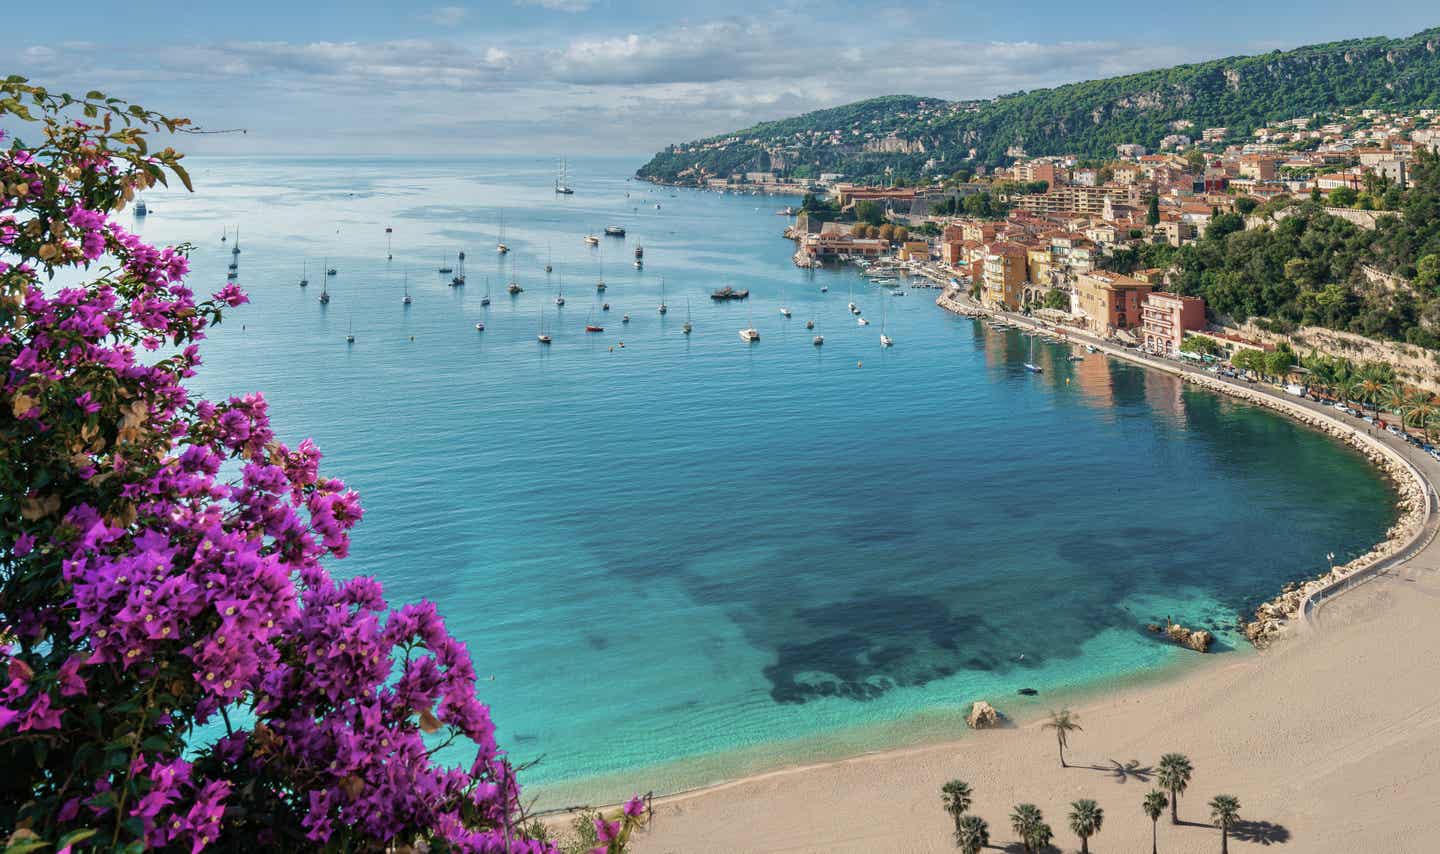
<point>1394,431</point>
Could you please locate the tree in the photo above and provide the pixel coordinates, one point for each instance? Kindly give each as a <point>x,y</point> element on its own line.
<point>972,834</point>
<point>1195,160</point>
<point>1342,197</point>
<point>1154,807</point>
<point>1245,205</point>
<point>1063,722</point>
<point>183,670</point>
<point>1222,224</point>
<point>1086,817</point>
<point>887,232</point>
<point>1027,822</point>
<point>1152,211</point>
<point>871,212</point>
<point>1173,774</point>
<point>955,796</point>
<point>1224,814</point>
<point>902,234</point>
<point>1056,298</point>
<point>1279,361</point>
<point>1200,344</point>
<point>1427,273</point>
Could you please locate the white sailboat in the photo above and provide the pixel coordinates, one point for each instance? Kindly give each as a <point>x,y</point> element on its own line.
<point>818,340</point>
<point>663,307</point>
<point>784,309</point>
<point>459,278</point>
<point>687,327</point>
<point>485,300</point>
<point>560,294</point>
<point>1030,365</point>
<point>406,301</point>
<point>541,336</point>
<point>350,333</point>
<point>749,334</point>
<point>304,273</point>
<point>561,186</point>
<point>885,340</point>
<point>500,246</point>
<point>324,286</point>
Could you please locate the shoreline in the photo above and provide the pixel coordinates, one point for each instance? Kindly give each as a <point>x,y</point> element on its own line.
<point>1329,742</point>
<point>1414,498</point>
<point>1275,617</point>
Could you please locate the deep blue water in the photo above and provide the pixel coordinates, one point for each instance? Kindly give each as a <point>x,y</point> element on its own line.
<point>732,555</point>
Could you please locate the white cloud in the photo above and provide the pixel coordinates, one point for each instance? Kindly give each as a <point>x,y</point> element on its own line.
<point>627,91</point>
<point>446,16</point>
<point>558,5</point>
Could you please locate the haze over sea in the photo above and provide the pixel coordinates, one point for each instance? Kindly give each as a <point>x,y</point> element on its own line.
<point>690,557</point>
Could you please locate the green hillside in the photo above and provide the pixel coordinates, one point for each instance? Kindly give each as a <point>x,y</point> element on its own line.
<point>1089,118</point>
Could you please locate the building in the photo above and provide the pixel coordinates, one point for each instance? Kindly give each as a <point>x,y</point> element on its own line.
<point>1109,302</point>
<point>1003,275</point>
<point>1165,318</point>
<point>914,250</point>
<point>818,247</point>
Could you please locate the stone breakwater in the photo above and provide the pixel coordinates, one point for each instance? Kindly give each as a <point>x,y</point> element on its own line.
<point>1412,499</point>
<point>1412,502</point>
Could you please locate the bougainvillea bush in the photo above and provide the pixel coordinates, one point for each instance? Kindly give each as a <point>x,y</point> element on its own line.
<point>180,671</point>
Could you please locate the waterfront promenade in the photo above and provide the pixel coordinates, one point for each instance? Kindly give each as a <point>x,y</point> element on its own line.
<point>1330,738</point>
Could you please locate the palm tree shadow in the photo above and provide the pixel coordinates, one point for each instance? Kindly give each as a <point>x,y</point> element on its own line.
<point>1017,848</point>
<point>1261,832</point>
<point>1124,772</point>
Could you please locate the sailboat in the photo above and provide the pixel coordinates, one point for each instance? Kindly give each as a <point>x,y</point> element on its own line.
<point>592,240</point>
<point>749,334</point>
<point>304,273</point>
<point>663,307</point>
<point>1030,365</point>
<point>485,300</point>
<point>818,340</point>
<point>350,333</point>
<point>784,309</point>
<point>560,294</point>
<point>548,266</point>
<point>560,186</point>
<point>406,301</point>
<point>600,284</point>
<point>541,336</point>
<point>444,268</point>
<point>459,278</point>
<point>687,327</point>
<point>851,305</point>
<point>224,235</point>
<point>885,339</point>
<point>500,246</point>
<point>235,250</point>
<point>324,288</point>
<point>389,256</point>
<point>590,324</point>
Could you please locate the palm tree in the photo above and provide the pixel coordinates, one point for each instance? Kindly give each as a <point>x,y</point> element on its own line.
<point>1421,411</point>
<point>1397,399</point>
<point>955,795</point>
<point>1154,806</point>
<point>1173,774</point>
<point>1370,390</point>
<point>1027,821</point>
<point>1063,722</point>
<point>1348,389</point>
<point>1085,820</point>
<point>1224,813</point>
<point>972,834</point>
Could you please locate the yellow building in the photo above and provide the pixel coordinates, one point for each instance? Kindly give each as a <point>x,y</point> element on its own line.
<point>1004,276</point>
<point>1109,301</point>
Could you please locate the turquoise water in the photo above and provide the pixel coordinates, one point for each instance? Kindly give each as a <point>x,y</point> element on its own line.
<point>689,556</point>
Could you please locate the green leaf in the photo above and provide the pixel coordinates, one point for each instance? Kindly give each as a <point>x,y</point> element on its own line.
<point>26,845</point>
<point>183,176</point>
<point>75,836</point>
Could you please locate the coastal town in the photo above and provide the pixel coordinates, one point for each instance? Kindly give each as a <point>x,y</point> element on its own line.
<point>1043,236</point>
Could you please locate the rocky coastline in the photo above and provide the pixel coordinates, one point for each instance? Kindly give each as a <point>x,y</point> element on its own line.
<point>1273,618</point>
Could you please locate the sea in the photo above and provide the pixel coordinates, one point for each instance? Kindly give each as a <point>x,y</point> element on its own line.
<point>676,558</point>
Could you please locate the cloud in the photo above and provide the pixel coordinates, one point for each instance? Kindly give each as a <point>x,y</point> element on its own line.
<point>558,5</point>
<point>625,91</point>
<point>446,16</point>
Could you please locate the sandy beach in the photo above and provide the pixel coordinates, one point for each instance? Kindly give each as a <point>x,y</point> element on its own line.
<point>1330,738</point>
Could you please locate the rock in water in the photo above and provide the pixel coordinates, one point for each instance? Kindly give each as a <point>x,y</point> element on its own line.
<point>1198,640</point>
<point>1028,692</point>
<point>982,716</point>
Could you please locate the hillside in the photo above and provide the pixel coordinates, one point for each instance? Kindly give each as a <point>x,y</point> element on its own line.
<point>905,133</point>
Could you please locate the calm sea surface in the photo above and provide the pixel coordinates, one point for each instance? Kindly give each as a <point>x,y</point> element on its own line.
<point>690,557</point>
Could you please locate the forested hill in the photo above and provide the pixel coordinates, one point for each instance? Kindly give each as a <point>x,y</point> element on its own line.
<point>905,133</point>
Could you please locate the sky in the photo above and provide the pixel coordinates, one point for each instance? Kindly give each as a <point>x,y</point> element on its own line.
<point>627,77</point>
